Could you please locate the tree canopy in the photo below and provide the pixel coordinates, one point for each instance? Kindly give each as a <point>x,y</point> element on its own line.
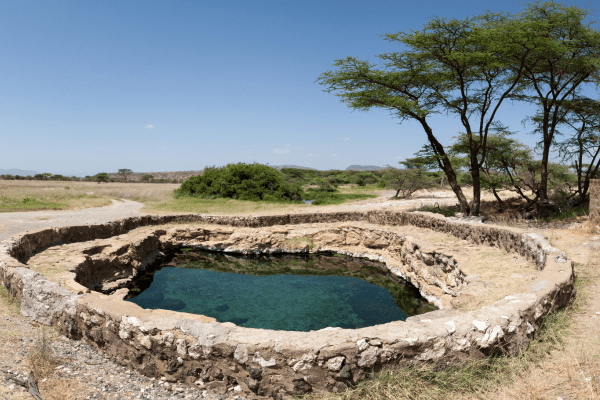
<point>468,68</point>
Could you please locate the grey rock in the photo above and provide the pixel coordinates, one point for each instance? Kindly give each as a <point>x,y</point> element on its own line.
<point>539,286</point>
<point>206,334</point>
<point>43,299</point>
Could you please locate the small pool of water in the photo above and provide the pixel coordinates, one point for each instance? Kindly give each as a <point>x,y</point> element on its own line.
<point>289,292</point>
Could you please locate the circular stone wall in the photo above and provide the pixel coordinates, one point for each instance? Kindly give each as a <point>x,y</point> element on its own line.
<point>218,356</point>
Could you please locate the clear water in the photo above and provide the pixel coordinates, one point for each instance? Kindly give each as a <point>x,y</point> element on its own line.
<point>281,293</point>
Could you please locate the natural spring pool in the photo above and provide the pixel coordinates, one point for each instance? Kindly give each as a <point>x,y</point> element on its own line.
<point>282,292</point>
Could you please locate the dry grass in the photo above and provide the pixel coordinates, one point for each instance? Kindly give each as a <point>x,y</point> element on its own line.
<point>59,388</point>
<point>157,198</point>
<point>77,195</point>
<point>41,357</point>
<point>8,306</point>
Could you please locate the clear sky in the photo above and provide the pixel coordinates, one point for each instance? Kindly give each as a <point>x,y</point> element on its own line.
<point>94,86</point>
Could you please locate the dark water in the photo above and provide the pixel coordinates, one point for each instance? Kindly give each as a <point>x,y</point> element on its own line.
<point>292,293</point>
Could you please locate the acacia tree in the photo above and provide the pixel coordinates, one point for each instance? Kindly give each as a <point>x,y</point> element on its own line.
<point>582,146</point>
<point>406,181</point>
<point>562,54</point>
<point>452,66</point>
<point>101,177</point>
<point>147,178</point>
<point>125,172</point>
<point>508,164</point>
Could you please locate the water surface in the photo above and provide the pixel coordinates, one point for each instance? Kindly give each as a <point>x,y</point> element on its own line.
<point>294,293</point>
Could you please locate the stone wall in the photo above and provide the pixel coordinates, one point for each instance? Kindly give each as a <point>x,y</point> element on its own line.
<point>24,245</point>
<point>268,363</point>
<point>595,199</point>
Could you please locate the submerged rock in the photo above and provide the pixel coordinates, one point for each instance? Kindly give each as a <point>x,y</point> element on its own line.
<point>172,304</point>
<point>222,308</point>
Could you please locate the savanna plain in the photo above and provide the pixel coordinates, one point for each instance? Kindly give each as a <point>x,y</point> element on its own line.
<point>562,362</point>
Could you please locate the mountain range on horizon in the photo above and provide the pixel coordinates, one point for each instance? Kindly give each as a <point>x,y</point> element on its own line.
<point>16,171</point>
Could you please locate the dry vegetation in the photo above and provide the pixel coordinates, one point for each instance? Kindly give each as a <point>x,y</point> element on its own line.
<point>157,198</point>
<point>76,195</point>
<point>40,357</point>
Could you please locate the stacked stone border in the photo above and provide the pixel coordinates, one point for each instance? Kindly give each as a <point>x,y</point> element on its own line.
<point>277,364</point>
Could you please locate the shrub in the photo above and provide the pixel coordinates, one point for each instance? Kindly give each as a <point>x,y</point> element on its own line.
<point>366,178</point>
<point>101,177</point>
<point>407,181</point>
<point>147,178</point>
<point>241,181</point>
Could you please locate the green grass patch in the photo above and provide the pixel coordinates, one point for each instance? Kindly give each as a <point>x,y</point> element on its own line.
<point>446,212</point>
<point>361,189</point>
<point>578,211</point>
<point>328,198</point>
<point>221,206</point>
<point>29,204</point>
<point>190,204</point>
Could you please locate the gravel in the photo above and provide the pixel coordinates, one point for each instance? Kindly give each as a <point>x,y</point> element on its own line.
<point>100,377</point>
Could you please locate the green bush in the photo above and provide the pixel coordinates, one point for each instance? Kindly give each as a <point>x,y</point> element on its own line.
<point>241,181</point>
<point>335,177</point>
<point>101,177</point>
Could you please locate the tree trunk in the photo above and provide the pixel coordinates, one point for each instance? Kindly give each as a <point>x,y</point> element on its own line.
<point>462,200</point>
<point>476,193</point>
<point>497,197</point>
<point>544,174</point>
<point>446,166</point>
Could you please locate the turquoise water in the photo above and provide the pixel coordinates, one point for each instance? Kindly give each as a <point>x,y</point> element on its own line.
<point>291,302</point>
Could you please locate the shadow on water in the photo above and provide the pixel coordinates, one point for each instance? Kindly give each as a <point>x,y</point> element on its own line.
<point>295,292</point>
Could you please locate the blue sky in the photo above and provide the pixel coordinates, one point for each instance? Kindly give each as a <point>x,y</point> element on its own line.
<point>88,86</point>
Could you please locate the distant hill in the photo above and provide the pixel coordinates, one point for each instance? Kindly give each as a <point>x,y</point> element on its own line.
<point>364,168</point>
<point>292,166</point>
<point>172,176</point>
<point>15,171</point>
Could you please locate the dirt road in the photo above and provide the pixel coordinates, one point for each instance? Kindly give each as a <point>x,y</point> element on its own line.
<point>12,223</point>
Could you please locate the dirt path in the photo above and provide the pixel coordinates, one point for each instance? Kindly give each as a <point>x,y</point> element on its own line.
<point>12,223</point>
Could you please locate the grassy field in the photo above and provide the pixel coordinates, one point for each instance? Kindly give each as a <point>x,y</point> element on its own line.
<point>48,195</point>
<point>158,198</point>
